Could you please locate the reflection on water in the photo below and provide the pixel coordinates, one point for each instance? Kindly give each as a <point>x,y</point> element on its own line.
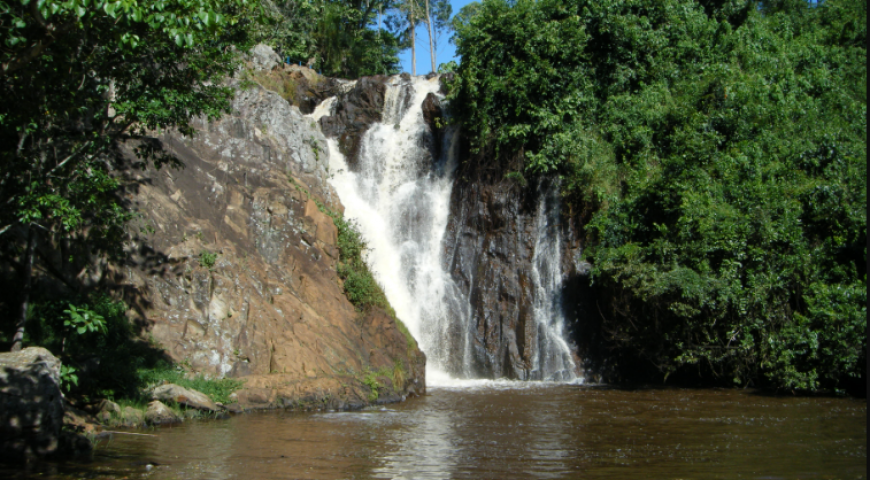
<point>492,431</point>
<point>420,448</point>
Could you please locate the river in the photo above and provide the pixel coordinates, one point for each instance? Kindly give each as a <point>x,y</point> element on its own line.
<point>506,430</point>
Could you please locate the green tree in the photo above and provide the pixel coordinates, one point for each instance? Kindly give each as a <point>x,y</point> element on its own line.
<point>442,12</point>
<point>462,18</point>
<point>340,38</point>
<point>78,77</point>
<point>718,150</point>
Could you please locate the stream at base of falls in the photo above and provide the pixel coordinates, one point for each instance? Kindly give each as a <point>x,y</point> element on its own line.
<point>506,430</point>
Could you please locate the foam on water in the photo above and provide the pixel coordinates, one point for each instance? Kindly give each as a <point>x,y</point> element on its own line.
<point>440,380</point>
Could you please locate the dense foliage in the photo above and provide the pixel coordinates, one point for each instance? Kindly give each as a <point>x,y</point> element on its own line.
<point>77,77</point>
<point>717,150</point>
<point>348,38</point>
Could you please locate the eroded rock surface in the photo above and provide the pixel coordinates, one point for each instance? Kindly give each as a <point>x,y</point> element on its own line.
<point>31,404</point>
<point>235,274</point>
<point>490,249</point>
<point>490,243</point>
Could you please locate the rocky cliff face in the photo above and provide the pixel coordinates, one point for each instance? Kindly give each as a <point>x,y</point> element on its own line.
<point>236,276</point>
<point>495,249</point>
<point>489,244</point>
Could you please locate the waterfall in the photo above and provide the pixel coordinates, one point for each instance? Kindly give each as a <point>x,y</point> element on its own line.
<point>552,359</point>
<point>399,197</point>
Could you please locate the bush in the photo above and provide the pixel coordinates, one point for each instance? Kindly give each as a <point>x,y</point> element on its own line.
<point>360,285</point>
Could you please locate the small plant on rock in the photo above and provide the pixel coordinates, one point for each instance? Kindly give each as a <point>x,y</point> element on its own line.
<point>207,259</point>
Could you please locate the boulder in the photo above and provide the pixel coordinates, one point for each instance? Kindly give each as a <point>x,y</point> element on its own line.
<point>131,417</point>
<point>160,414</point>
<point>31,404</point>
<point>354,113</point>
<point>433,115</point>
<point>108,410</point>
<point>171,392</point>
<point>262,57</point>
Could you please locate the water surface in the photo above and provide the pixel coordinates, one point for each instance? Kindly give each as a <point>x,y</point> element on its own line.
<point>509,431</point>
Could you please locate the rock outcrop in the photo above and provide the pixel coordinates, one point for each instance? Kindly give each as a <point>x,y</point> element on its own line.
<point>433,115</point>
<point>355,111</point>
<point>490,247</point>
<point>184,396</point>
<point>262,57</point>
<point>31,404</point>
<point>490,244</point>
<point>237,277</point>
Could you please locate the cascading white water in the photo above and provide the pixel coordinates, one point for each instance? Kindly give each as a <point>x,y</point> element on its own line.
<point>400,199</point>
<point>552,359</point>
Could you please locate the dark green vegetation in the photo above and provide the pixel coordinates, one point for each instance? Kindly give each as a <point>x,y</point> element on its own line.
<point>78,77</point>
<point>360,285</point>
<point>338,38</point>
<point>715,151</point>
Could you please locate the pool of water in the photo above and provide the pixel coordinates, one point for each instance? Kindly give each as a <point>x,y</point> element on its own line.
<point>507,431</point>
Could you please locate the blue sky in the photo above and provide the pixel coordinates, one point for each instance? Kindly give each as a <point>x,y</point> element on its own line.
<point>446,50</point>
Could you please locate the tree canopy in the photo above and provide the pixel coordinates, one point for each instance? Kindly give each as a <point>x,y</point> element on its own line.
<point>717,150</point>
<point>77,77</point>
<point>347,38</point>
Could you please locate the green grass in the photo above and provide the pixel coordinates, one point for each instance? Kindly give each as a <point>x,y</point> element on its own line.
<point>218,390</point>
<point>370,379</point>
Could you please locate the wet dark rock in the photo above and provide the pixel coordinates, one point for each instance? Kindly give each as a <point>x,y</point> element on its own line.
<point>234,408</point>
<point>490,242</point>
<point>355,111</point>
<point>31,404</point>
<point>387,399</point>
<point>433,115</point>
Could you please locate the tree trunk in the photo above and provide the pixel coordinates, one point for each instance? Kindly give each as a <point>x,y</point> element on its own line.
<point>431,42</point>
<point>413,51</point>
<point>18,339</point>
